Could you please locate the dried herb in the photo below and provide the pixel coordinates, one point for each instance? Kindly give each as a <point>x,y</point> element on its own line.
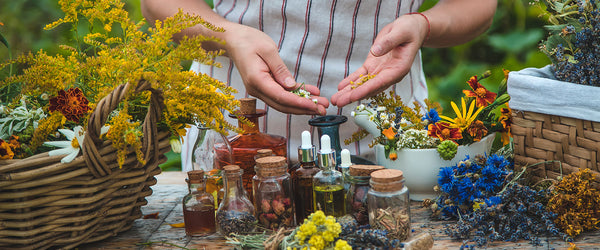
<point>576,203</point>
<point>275,213</point>
<point>394,220</point>
<point>231,221</point>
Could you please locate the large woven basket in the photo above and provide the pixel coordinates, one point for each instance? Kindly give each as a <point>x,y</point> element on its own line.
<point>48,204</point>
<point>565,144</point>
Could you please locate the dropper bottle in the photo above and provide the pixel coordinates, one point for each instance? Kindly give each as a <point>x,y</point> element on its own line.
<point>328,184</point>
<point>345,166</point>
<point>302,177</point>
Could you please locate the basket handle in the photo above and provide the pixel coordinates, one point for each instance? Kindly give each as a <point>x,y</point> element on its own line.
<point>150,146</point>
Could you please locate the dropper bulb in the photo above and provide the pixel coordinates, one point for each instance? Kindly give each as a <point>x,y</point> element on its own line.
<point>306,143</point>
<point>325,144</point>
<point>345,155</point>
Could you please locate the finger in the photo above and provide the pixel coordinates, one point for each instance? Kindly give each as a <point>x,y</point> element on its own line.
<point>388,39</point>
<point>277,97</point>
<point>278,69</point>
<point>354,77</point>
<point>370,88</point>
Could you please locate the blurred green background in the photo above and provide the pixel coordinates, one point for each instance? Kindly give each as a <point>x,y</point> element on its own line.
<point>511,43</point>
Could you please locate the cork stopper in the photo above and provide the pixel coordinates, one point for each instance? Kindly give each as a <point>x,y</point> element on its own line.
<point>387,180</point>
<point>196,176</point>
<point>248,106</point>
<point>364,170</point>
<point>232,169</point>
<point>263,153</point>
<point>271,166</point>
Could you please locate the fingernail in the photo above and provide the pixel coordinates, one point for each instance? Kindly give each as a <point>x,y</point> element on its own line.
<point>376,50</point>
<point>289,82</point>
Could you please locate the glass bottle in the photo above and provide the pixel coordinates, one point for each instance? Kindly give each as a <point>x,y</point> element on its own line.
<point>236,212</point>
<point>344,167</point>
<point>273,194</point>
<point>198,206</point>
<point>328,185</point>
<point>330,125</point>
<point>356,196</point>
<point>302,177</point>
<point>246,144</point>
<point>389,203</point>
<point>211,153</point>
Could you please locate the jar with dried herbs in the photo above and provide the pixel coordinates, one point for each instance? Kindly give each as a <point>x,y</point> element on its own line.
<point>389,203</point>
<point>273,194</point>
<point>236,212</point>
<point>356,197</point>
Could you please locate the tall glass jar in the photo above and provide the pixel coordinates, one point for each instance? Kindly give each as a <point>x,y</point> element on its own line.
<point>211,153</point>
<point>273,194</point>
<point>198,207</point>
<point>356,196</point>
<point>236,212</point>
<point>302,177</point>
<point>246,144</point>
<point>389,204</point>
<point>328,184</point>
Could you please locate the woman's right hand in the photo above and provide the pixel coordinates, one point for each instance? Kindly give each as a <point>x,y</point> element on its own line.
<point>265,75</point>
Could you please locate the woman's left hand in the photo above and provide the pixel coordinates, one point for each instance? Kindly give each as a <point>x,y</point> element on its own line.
<point>389,60</point>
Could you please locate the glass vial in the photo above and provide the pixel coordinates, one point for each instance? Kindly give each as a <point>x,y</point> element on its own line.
<point>273,193</point>
<point>246,144</point>
<point>328,184</point>
<point>302,177</point>
<point>198,206</point>
<point>211,153</point>
<point>389,204</point>
<point>236,212</point>
<point>356,197</point>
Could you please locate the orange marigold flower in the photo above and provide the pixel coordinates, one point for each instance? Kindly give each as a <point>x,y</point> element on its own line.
<point>5,152</point>
<point>483,97</point>
<point>389,133</point>
<point>477,130</point>
<point>506,120</point>
<point>71,103</point>
<point>14,143</point>
<point>444,131</point>
<point>393,155</point>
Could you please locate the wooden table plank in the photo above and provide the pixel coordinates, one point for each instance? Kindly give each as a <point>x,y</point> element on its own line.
<point>166,200</point>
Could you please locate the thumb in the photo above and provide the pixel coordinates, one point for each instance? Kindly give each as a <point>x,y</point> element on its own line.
<point>280,71</point>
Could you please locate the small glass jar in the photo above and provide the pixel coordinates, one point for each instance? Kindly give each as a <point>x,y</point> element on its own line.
<point>389,204</point>
<point>198,206</point>
<point>273,193</point>
<point>236,212</point>
<point>356,197</point>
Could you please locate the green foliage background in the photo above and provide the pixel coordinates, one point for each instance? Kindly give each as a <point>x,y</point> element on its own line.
<point>511,43</point>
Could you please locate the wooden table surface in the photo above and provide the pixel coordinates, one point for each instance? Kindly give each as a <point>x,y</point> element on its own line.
<point>166,201</point>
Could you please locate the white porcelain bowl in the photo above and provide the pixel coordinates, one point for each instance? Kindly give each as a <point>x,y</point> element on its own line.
<point>421,166</point>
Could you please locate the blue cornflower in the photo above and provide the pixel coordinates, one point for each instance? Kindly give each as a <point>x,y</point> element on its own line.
<point>466,191</point>
<point>490,179</point>
<point>432,116</point>
<point>492,201</point>
<point>446,175</point>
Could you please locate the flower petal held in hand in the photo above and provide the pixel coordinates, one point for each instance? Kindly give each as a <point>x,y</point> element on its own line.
<point>71,147</point>
<point>71,103</point>
<point>483,97</point>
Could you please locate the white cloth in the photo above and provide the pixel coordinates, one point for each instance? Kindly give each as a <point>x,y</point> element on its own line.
<point>537,90</point>
<point>321,42</point>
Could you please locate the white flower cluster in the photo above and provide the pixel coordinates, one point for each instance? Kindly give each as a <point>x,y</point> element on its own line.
<point>301,92</point>
<point>416,138</point>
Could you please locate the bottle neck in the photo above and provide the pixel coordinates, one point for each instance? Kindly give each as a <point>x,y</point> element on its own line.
<point>248,128</point>
<point>196,186</point>
<point>233,186</point>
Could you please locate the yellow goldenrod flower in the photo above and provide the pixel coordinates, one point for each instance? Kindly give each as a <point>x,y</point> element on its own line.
<point>464,117</point>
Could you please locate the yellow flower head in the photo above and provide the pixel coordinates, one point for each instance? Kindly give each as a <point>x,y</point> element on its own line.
<point>464,117</point>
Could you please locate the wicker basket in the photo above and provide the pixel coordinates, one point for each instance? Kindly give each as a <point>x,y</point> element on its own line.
<point>48,204</point>
<point>571,143</point>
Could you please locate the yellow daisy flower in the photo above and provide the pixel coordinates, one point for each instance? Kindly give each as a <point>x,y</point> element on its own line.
<point>464,117</point>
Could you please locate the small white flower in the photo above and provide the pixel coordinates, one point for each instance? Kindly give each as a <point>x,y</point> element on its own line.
<point>360,107</point>
<point>315,100</point>
<point>44,96</point>
<point>71,147</point>
<point>383,116</point>
<point>381,108</point>
<point>353,114</point>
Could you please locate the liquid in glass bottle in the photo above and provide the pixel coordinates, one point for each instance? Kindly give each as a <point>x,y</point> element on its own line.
<point>198,206</point>
<point>302,178</point>
<point>328,184</point>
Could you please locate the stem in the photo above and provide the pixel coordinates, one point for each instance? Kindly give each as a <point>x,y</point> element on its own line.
<point>525,169</point>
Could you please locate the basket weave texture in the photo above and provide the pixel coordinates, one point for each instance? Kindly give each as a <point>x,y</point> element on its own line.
<point>48,204</point>
<point>570,144</point>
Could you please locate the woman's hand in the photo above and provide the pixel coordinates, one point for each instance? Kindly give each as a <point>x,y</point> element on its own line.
<point>265,75</point>
<point>389,60</point>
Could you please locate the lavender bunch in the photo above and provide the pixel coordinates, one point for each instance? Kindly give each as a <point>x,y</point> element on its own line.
<point>573,43</point>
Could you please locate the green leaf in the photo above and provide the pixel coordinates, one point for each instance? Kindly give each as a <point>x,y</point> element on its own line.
<point>516,41</point>
<point>3,40</point>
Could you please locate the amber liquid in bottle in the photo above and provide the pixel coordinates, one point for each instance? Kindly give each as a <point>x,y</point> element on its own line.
<point>303,189</point>
<point>199,221</point>
<point>246,145</point>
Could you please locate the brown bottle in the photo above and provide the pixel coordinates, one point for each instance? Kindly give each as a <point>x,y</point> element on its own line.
<point>198,206</point>
<point>246,145</point>
<point>302,177</point>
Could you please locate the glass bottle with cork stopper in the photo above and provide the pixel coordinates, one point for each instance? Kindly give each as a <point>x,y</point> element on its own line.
<point>389,203</point>
<point>356,197</point>
<point>198,206</point>
<point>302,177</point>
<point>236,212</point>
<point>246,144</point>
<point>273,193</point>
<point>328,184</point>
